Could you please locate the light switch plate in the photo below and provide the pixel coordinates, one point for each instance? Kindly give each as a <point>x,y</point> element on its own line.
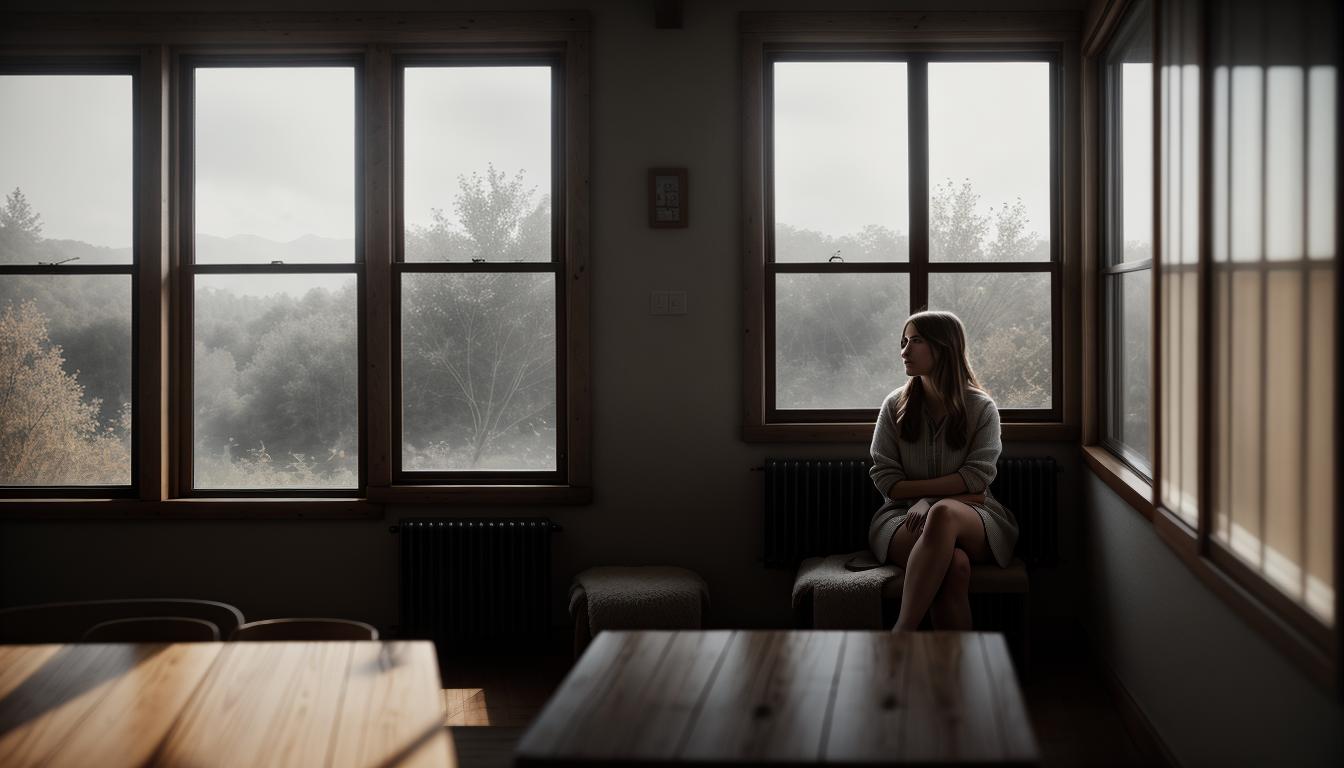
<point>658,302</point>
<point>676,302</point>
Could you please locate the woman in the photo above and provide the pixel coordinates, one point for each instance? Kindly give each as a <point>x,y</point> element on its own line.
<point>934,452</point>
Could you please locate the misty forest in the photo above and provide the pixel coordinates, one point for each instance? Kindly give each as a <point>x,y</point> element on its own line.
<point>275,374</point>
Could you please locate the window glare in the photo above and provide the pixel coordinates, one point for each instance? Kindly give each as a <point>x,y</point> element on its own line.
<point>1136,137</point>
<point>477,163</point>
<point>989,156</point>
<point>841,161</point>
<point>65,141</point>
<point>274,164</point>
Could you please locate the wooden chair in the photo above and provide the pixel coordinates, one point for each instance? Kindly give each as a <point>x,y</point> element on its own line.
<point>153,629</point>
<point>67,622</point>
<point>304,629</point>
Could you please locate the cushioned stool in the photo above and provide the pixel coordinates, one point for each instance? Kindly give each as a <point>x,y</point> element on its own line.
<point>637,597</point>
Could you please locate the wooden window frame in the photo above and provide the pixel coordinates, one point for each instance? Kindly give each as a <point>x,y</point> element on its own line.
<point>92,64</point>
<point>918,39</point>
<point>188,269</point>
<point>549,56</point>
<point>1112,269</point>
<point>158,42</point>
<point>1303,639</point>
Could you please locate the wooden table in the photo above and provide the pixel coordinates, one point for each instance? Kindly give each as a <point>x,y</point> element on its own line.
<point>757,697</point>
<point>218,704</point>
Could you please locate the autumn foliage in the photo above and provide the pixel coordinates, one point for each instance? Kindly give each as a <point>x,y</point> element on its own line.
<point>49,435</point>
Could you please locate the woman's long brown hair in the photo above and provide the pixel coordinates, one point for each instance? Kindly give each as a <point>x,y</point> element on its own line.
<point>951,376</point>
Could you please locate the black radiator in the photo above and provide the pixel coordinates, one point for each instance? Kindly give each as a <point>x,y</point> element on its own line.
<point>822,507</point>
<point>476,584</point>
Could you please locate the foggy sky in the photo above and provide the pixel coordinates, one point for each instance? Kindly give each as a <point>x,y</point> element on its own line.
<point>275,150</point>
<point>841,140</point>
<point>66,141</point>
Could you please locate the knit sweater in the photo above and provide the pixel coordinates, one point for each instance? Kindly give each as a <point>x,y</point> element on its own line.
<point>929,456</point>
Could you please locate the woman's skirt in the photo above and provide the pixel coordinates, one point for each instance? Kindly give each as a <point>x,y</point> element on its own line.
<point>1000,529</point>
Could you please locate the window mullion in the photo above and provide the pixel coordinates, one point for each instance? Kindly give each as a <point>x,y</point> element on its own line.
<point>380,214</point>
<point>150,441</point>
<point>918,89</point>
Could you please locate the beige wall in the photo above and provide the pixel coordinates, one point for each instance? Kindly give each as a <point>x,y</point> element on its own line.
<point>1216,692</point>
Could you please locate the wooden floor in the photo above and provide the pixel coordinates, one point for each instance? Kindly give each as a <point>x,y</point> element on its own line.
<point>488,703</point>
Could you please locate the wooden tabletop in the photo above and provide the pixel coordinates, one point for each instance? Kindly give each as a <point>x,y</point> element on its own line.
<point>762,697</point>
<point>222,704</point>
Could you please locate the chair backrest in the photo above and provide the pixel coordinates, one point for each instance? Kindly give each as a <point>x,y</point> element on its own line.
<point>305,629</point>
<point>153,629</point>
<point>67,622</point>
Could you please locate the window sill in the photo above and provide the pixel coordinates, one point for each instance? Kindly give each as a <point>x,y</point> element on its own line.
<point>190,509</point>
<point>370,508</point>
<point>1042,432</point>
<point>1136,491</point>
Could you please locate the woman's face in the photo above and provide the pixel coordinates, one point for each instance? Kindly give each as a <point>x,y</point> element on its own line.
<point>915,352</point>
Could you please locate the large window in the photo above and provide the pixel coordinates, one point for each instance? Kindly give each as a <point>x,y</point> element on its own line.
<point>66,270</point>
<point>1244,318</point>
<point>887,181</point>
<point>1126,90</point>
<point>1271,329</point>
<point>274,279</point>
<point>478,283</point>
<point>343,273</point>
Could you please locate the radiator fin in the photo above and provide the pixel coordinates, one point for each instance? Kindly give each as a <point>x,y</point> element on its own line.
<point>472,584</point>
<point>822,507</point>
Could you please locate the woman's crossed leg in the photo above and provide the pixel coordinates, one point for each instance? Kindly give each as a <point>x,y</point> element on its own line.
<point>937,562</point>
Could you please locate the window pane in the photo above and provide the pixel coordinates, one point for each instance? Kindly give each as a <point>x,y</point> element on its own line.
<point>989,161</point>
<point>838,339</point>
<point>477,167</point>
<point>65,380</point>
<point>1008,334</point>
<point>276,382</point>
<point>275,165</point>
<point>1136,298</point>
<point>478,378</point>
<point>65,169</point>
<point>1136,153</point>
<point>841,172</point>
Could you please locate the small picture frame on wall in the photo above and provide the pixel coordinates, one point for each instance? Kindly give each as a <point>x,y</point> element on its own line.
<point>668,198</point>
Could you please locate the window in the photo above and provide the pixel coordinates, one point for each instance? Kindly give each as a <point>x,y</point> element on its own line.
<point>881,193</point>
<point>1271,330</point>
<point>67,266</point>
<point>478,279</point>
<point>274,276</point>
<point>1244,410</point>
<point>368,283</point>
<point>1127,238</point>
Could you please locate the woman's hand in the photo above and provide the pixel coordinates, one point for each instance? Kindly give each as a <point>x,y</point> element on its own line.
<point>919,513</point>
<point>914,519</point>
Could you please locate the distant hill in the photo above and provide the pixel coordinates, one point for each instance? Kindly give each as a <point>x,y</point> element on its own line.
<point>247,249</point>
<point>250,249</point>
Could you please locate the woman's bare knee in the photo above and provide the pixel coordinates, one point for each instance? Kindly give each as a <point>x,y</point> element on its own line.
<point>957,520</point>
<point>942,518</point>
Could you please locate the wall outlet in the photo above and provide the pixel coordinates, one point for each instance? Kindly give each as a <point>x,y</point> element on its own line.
<point>658,303</point>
